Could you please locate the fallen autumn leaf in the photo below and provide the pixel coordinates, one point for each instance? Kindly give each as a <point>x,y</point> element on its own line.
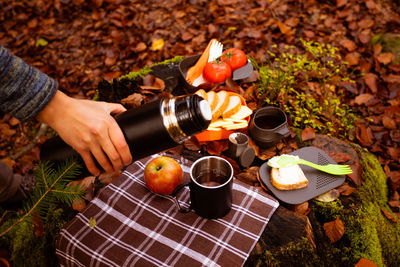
<point>334,230</point>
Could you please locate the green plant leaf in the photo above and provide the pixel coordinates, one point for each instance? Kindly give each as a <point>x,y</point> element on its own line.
<point>284,81</point>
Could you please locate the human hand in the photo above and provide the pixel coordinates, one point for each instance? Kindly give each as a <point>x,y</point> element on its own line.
<point>88,127</point>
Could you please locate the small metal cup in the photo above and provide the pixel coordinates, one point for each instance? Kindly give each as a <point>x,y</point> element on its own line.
<point>211,182</point>
<point>211,195</point>
<point>237,144</point>
<point>240,150</point>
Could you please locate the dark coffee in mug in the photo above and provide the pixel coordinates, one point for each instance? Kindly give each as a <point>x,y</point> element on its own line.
<point>268,122</point>
<point>211,184</point>
<point>211,179</point>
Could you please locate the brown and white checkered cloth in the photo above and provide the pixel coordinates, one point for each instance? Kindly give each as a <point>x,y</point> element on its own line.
<point>134,227</point>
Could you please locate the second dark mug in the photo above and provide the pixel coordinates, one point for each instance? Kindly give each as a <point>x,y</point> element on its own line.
<point>211,181</point>
<point>268,126</point>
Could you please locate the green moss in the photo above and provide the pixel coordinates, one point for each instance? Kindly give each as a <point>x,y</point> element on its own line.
<point>135,74</point>
<point>374,187</point>
<point>362,233</point>
<point>290,255</point>
<point>382,232</point>
<point>27,249</point>
<point>329,210</point>
<point>368,233</point>
<point>147,69</point>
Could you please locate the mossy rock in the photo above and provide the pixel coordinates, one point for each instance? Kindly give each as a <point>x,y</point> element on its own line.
<point>368,232</point>
<point>128,84</point>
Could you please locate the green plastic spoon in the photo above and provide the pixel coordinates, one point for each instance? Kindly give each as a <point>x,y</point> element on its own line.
<point>289,160</point>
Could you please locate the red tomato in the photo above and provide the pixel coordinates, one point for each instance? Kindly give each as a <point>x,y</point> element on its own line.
<point>235,57</point>
<point>217,71</point>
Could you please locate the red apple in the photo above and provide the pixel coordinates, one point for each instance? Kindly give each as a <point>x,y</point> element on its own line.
<point>162,175</point>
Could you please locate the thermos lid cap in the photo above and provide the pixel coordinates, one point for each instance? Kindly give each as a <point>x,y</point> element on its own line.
<point>205,110</point>
<point>247,157</point>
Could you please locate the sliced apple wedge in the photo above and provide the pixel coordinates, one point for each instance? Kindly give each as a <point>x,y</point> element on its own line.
<point>216,129</point>
<point>229,110</point>
<point>233,106</point>
<point>212,99</point>
<point>242,113</point>
<point>231,120</point>
<point>202,93</point>
<point>221,123</point>
<point>236,126</point>
<point>223,101</point>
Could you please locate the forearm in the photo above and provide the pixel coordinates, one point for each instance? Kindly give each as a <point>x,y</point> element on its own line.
<point>86,125</point>
<point>24,90</point>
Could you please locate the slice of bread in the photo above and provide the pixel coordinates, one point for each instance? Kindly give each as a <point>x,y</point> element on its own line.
<point>212,99</point>
<point>288,178</point>
<point>223,101</point>
<point>233,106</point>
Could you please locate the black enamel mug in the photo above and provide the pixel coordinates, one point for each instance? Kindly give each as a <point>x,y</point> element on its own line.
<point>268,126</point>
<point>211,181</point>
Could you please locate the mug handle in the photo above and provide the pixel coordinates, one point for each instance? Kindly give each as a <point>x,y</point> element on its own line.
<point>283,130</point>
<point>173,195</point>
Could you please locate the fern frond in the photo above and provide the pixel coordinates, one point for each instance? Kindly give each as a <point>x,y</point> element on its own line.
<point>73,169</point>
<point>66,172</point>
<point>42,173</point>
<point>68,195</point>
<point>49,189</point>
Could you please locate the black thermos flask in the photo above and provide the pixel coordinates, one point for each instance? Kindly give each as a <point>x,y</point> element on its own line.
<point>148,129</point>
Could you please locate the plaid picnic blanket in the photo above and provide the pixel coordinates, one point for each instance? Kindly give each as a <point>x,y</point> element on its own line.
<point>127,225</point>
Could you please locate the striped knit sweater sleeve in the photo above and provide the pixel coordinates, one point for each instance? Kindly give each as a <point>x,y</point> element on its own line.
<point>24,90</point>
